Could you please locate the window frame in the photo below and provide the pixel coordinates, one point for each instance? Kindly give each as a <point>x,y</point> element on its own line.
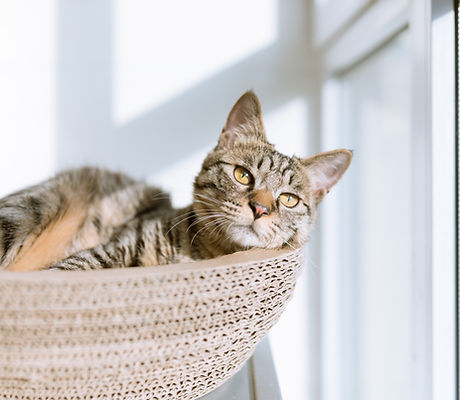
<point>433,229</point>
<point>334,17</point>
<point>443,112</point>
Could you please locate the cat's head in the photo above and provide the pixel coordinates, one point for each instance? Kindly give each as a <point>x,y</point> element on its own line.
<point>249,195</point>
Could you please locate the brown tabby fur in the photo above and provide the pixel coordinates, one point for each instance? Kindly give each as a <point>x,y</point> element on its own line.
<point>91,218</point>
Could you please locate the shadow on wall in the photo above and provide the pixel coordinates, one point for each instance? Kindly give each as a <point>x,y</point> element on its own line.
<point>183,124</point>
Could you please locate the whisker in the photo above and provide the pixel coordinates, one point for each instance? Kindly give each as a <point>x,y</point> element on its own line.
<point>195,235</point>
<point>210,223</point>
<point>280,234</point>
<point>192,214</point>
<point>204,218</point>
<point>289,244</point>
<point>196,212</point>
<point>219,225</point>
<point>206,203</point>
<point>178,223</point>
<point>203,198</point>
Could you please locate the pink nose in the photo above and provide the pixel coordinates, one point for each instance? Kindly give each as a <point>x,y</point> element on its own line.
<point>258,209</point>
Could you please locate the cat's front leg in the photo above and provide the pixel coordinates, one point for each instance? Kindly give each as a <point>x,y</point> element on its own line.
<point>126,248</point>
<point>99,257</point>
<point>142,241</point>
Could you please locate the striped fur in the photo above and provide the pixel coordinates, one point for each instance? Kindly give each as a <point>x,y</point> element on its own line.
<point>92,218</point>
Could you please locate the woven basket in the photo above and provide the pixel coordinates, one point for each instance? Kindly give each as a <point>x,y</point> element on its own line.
<point>168,332</point>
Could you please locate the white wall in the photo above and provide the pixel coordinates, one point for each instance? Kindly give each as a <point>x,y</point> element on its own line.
<point>27,92</point>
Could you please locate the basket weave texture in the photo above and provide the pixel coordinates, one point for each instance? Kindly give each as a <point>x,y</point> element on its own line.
<point>168,332</point>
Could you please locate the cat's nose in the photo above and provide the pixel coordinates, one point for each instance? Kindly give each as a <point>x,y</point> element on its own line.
<point>259,210</point>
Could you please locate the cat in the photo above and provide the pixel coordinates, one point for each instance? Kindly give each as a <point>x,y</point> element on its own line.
<point>247,195</point>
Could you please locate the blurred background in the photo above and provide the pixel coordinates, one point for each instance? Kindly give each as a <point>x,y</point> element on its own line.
<point>145,87</point>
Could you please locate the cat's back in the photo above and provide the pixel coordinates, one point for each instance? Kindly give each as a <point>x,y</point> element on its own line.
<point>74,210</point>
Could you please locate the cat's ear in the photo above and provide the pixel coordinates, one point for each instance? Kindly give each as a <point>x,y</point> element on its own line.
<point>325,169</point>
<point>244,121</point>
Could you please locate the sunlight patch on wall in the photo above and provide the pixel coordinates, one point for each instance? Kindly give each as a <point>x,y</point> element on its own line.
<point>27,90</point>
<point>286,127</point>
<point>163,48</point>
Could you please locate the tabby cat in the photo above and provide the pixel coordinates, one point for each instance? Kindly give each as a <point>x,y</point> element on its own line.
<point>246,195</point>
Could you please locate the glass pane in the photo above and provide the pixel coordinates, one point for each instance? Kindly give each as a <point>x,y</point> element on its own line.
<point>375,226</point>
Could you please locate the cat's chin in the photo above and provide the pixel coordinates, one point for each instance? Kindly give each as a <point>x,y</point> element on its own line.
<point>248,236</point>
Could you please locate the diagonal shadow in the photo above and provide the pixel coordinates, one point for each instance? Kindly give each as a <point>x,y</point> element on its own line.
<point>184,124</point>
<point>205,107</point>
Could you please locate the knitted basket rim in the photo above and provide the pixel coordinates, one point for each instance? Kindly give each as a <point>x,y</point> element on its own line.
<point>235,259</point>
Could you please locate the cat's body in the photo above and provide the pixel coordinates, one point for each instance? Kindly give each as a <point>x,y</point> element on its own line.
<point>246,195</point>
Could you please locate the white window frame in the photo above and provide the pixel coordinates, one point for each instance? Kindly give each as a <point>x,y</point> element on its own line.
<point>443,200</point>
<point>333,17</point>
<point>432,191</point>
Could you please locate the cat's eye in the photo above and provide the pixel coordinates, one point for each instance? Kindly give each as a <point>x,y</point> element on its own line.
<point>289,200</point>
<point>242,175</point>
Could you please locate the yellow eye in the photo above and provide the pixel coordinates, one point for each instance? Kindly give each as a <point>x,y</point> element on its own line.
<point>289,200</point>
<point>242,175</point>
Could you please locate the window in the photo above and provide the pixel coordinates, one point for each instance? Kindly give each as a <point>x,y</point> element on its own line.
<point>387,293</point>
<point>367,291</point>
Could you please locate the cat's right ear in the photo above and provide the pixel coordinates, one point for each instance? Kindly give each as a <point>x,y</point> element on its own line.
<point>325,169</point>
<point>243,122</point>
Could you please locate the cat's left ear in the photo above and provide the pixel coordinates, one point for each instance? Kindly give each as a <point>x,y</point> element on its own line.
<point>243,122</point>
<point>325,169</point>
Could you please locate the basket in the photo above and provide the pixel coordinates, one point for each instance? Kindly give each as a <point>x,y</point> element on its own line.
<point>168,332</point>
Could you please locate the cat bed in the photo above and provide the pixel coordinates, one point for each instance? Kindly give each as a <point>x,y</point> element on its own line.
<point>168,332</point>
